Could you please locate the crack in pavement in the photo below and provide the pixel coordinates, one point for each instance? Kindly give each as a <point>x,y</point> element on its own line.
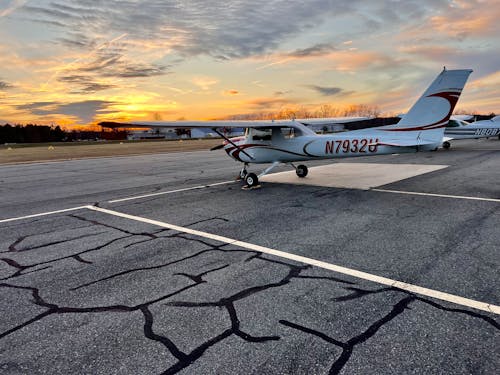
<point>399,308</point>
<point>13,247</point>
<point>348,346</point>
<point>213,248</point>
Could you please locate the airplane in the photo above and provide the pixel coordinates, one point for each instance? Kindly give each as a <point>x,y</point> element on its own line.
<point>291,141</point>
<point>457,129</point>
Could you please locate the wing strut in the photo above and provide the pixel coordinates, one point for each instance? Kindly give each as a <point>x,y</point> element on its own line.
<point>227,139</point>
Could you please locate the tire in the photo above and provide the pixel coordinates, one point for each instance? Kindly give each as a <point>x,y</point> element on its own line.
<point>446,144</point>
<point>301,171</point>
<point>251,179</point>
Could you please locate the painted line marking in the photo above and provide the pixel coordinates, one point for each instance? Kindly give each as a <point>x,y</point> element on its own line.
<point>317,263</point>
<point>43,214</point>
<point>437,195</point>
<point>170,192</point>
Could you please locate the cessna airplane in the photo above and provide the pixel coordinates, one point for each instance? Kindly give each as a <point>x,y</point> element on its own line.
<point>457,129</point>
<point>421,129</point>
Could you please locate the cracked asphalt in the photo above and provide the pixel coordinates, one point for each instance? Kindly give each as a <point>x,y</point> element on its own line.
<point>86,292</point>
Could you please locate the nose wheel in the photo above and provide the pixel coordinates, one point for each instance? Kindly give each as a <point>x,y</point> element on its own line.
<point>446,144</point>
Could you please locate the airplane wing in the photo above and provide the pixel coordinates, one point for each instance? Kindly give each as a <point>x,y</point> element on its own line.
<point>297,123</point>
<point>332,120</point>
<point>200,124</point>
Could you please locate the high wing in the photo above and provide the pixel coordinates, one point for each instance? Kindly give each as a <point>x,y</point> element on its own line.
<point>196,124</point>
<point>332,120</point>
<point>214,125</point>
<point>296,123</point>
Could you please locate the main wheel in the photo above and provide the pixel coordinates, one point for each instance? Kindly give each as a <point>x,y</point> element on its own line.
<point>243,174</point>
<point>251,179</point>
<point>301,171</point>
<point>446,144</point>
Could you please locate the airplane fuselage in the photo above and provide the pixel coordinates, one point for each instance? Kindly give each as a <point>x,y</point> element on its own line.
<point>481,129</point>
<point>310,147</point>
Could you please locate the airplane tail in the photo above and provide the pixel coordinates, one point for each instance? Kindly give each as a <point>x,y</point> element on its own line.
<point>434,108</point>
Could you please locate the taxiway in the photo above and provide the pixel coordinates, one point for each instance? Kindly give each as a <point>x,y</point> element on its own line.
<point>162,264</point>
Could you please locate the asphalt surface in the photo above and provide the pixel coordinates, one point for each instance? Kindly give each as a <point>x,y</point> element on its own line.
<point>89,292</point>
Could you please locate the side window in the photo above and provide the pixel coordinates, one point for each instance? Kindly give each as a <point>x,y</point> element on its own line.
<point>453,124</point>
<point>261,134</point>
<point>287,133</point>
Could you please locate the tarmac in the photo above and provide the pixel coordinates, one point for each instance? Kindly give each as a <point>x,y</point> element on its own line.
<point>162,264</point>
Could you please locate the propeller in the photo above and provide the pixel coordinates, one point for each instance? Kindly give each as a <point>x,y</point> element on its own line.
<point>218,147</point>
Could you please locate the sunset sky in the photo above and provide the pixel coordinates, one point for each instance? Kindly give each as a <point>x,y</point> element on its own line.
<point>79,62</point>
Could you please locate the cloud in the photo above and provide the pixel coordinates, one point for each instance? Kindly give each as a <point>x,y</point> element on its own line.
<point>214,28</point>
<point>5,85</point>
<point>204,82</point>
<point>231,92</point>
<point>316,50</point>
<point>35,106</point>
<point>86,84</point>
<point>94,71</point>
<point>267,103</point>
<point>113,63</point>
<point>455,57</point>
<point>329,91</point>
<point>83,110</point>
<point>14,4</point>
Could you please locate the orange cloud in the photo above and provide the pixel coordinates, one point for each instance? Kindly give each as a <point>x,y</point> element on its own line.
<point>204,82</point>
<point>231,92</point>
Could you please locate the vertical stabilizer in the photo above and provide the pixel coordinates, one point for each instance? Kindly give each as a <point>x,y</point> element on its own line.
<point>434,108</point>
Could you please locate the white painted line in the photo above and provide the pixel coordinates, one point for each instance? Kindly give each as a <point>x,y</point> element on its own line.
<point>43,214</point>
<point>317,263</point>
<point>437,195</point>
<point>170,192</point>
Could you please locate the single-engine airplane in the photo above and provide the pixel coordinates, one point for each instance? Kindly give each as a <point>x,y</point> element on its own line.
<point>421,129</point>
<point>457,129</point>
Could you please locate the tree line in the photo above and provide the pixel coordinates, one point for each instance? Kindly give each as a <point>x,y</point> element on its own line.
<point>31,134</point>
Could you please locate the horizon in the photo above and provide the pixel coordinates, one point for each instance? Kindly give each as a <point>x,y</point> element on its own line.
<point>76,63</point>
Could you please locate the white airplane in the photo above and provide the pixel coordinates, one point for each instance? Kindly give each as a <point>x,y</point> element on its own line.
<point>457,129</point>
<point>421,129</point>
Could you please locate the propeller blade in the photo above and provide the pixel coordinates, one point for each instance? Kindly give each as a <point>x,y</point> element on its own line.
<point>218,147</point>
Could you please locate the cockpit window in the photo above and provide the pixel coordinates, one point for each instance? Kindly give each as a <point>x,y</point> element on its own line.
<point>453,124</point>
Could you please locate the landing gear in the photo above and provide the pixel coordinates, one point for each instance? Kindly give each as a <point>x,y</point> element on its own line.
<point>446,144</point>
<point>251,180</point>
<point>301,171</point>
<point>243,173</point>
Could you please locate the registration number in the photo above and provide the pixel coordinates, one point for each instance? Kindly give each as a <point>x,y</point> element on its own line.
<point>491,131</point>
<point>351,145</point>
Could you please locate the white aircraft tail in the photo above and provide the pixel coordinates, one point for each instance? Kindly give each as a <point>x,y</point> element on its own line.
<point>434,108</point>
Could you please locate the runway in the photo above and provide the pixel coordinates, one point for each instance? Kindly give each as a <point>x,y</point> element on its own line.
<point>163,264</point>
